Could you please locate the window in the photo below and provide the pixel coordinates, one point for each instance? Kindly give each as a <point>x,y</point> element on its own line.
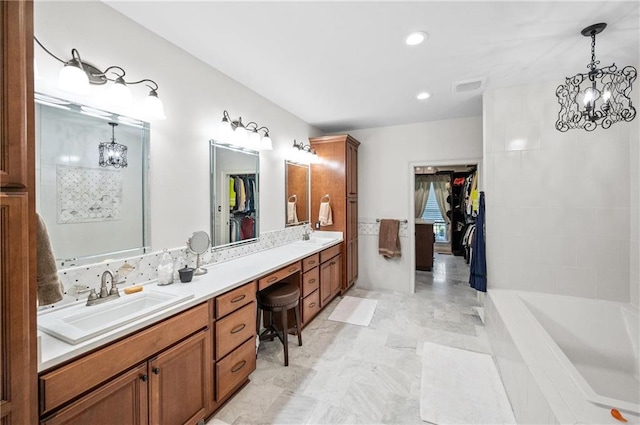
<point>432,213</point>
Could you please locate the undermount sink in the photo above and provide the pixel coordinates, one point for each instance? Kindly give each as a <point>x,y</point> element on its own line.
<point>79,322</point>
<point>317,240</point>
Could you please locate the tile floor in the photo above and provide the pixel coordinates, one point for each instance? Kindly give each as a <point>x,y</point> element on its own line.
<point>349,374</point>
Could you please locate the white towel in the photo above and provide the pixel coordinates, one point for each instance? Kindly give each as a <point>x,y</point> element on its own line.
<point>292,215</point>
<point>325,216</point>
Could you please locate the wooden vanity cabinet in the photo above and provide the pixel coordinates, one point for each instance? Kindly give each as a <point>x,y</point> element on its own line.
<point>154,392</point>
<point>159,375</point>
<point>340,182</point>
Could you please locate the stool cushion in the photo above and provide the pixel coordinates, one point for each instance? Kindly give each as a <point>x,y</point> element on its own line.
<point>280,294</point>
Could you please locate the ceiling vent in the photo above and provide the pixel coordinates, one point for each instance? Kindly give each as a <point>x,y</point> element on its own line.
<point>468,85</point>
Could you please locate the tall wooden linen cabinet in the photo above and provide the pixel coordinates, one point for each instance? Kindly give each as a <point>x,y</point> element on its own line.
<point>337,176</point>
<point>18,351</point>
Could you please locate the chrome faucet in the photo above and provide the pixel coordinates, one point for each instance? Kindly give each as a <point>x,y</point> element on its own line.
<point>105,294</point>
<point>307,233</point>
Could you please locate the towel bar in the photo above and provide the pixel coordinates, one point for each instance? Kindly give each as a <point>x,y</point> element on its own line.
<point>401,221</point>
<point>326,196</point>
<point>293,198</point>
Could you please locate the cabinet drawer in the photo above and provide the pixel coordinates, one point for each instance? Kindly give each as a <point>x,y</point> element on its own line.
<point>310,306</point>
<point>310,281</point>
<point>330,252</point>
<point>63,384</point>
<point>279,275</point>
<point>310,262</point>
<point>235,329</point>
<point>235,368</point>
<point>233,300</point>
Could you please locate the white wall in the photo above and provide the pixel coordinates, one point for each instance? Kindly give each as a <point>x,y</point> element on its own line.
<point>562,208</point>
<point>385,187</point>
<point>194,96</point>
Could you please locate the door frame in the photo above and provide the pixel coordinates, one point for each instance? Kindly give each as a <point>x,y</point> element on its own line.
<point>412,188</point>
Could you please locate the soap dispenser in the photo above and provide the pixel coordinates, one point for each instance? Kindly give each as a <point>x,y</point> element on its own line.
<point>165,269</point>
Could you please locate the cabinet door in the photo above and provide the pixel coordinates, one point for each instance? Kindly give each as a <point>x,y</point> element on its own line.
<point>352,170</point>
<point>121,401</point>
<point>17,360</point>
<point>180,382</point>
<point>16,89</point>
<point>336,275</point>
<point>352,243</point>
<point>325,282</point>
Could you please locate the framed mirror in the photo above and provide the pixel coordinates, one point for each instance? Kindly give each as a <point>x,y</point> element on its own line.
<point>92,212</point>
<point>296,184</point>
<point>235,175</point>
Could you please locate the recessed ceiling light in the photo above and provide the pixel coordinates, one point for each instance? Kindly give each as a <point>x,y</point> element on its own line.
<point>423,95</point>
<point>416,38</point>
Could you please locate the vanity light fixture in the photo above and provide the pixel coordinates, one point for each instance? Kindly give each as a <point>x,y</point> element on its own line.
<point>423,95</point>
<point>604,98</point>
<point>111,153</point>
<point>76,76</point>
<point>246,136</point>
<point>304,154</point>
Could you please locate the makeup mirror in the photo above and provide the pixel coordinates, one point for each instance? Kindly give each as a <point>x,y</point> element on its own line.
<point>296,182</point>
<point>198,243</point>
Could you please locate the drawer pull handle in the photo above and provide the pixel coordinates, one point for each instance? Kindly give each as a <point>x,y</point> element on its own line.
<point>312,280</point>
<point>312,305</point>
<point>238,328</point>
<point>238,366</point>
<point>293,269</point>
<point>238,298</point>
<point>272,279</point>
<point>156,370</point>
<point>143,378</point>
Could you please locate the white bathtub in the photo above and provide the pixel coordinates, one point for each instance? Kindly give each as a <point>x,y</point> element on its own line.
<point>565,359</point>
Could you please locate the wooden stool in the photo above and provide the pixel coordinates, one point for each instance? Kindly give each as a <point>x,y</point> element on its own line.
<point>279,298</point>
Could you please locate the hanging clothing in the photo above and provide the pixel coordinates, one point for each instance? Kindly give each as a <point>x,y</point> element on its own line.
<point>478,272</point>
<point>232,193</point>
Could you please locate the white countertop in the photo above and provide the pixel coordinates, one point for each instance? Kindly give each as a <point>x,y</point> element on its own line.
<point>221,277</point>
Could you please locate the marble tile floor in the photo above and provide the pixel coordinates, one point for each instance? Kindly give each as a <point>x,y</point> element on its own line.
<point>350,374</point>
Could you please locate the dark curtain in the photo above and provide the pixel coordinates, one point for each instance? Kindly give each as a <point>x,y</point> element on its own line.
<point>478,275</point>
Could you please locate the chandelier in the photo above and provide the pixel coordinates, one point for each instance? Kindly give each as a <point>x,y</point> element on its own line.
<point>111,153</point>
<point>599,97</point>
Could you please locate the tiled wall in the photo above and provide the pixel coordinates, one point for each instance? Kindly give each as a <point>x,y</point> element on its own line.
<point>145,266</point>
<point>560,206</point>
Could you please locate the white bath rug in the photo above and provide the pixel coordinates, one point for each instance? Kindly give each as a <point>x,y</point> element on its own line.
<point>357,311</point>
<point>461,387</point>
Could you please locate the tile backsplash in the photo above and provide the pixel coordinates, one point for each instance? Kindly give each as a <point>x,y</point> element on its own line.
<point>78,280</point>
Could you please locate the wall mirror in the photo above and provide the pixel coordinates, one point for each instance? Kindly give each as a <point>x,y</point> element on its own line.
<point>296,182</point>
<point>93,213</point>
<point>234,194</point>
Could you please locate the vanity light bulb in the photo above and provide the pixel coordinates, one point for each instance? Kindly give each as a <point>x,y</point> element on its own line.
<point>254,140</point>
<point>266,144</point>
<point>120,95</point>
<point>72,79</point>
<point>153,107</point>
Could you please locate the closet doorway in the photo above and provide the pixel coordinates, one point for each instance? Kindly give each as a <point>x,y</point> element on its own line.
<point>440,202</point>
